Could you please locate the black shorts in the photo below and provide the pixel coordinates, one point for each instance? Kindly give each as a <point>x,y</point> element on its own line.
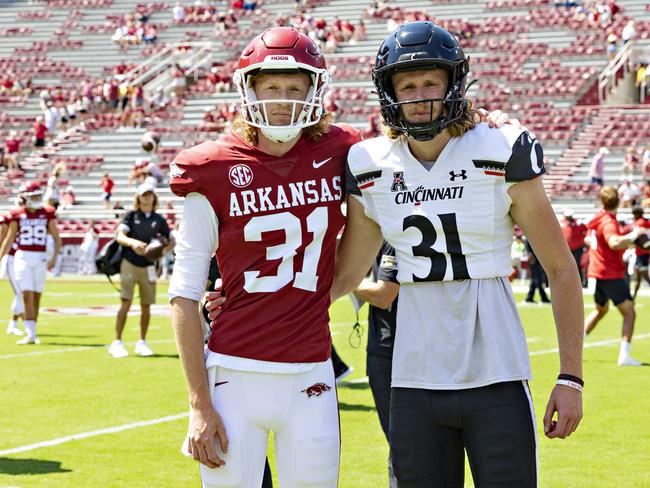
<point>615,290</point>
<point>430,430</point>
<point>642,261</point>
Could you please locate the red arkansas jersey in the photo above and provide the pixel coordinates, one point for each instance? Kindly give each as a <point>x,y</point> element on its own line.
<point>604,262</point>
<point>278,222</point>
<point>32,227</point>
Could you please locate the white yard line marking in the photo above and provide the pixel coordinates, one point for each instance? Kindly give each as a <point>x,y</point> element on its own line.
<point>92,433</point>
<point>589,345</point>
<point>74,349</point>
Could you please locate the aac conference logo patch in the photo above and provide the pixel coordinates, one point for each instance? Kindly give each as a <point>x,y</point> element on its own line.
<point>240,175</point>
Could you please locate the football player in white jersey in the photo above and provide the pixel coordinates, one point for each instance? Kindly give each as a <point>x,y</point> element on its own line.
<point>445,191</point>
<point>29,227</point>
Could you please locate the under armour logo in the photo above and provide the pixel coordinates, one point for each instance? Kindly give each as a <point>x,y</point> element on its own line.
<point>462,174</point>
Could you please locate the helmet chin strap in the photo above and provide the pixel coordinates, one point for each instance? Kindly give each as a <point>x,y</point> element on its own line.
<point>280,134</point>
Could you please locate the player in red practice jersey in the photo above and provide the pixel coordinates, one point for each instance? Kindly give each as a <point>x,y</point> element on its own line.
<point>642,255</point>
<point>268,198</point>
<point>608,243</point>
<point>29,227</point>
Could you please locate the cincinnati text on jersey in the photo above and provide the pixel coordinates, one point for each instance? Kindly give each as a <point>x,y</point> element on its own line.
<point>421,194</point>
<point>289,195</point>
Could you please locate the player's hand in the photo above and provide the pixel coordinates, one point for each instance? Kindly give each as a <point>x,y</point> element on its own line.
<point>567,402</point>
<point>51,263</point>
<point>214,301</point>
<point>497,118</point>
<point>139,248</point>
<point>205,425</point>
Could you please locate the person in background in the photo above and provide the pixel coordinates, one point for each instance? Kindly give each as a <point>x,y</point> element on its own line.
<point>597,168</point>
<point>138,228</point>
<point>608,243</point>
<point>641,255</point>
<point>107,185</point>
<point>574,234</point>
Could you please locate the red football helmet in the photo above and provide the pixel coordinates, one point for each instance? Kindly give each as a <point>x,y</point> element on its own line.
<point>30,193</point>
<point>282,49</point>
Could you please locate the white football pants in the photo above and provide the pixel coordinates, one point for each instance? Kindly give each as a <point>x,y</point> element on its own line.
<point>31,270</point>
<point>7,268</point>
<point>302,411</point>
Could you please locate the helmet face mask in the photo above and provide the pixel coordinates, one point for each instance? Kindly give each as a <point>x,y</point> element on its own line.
<point>417,46</point>
<point>282,50</point>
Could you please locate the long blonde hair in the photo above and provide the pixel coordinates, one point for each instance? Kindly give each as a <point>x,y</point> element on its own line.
<point>249,133</point>
<point>467,121</point>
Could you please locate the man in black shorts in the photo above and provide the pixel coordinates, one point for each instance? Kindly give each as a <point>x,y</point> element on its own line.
<point>608,243</point>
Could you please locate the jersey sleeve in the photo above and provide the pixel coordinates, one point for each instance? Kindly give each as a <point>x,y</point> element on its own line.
<point>527,159</point>
<point>196,241</point>
<point>387,270</point>
<point>609,229</point>
<point>360,176</point>
<point>127,223</point>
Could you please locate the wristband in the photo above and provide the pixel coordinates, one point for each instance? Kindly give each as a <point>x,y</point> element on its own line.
<point>570,384</point>
<point>570,377</point>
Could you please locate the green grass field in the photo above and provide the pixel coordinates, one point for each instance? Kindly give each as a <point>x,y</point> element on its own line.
<point>70,385</point>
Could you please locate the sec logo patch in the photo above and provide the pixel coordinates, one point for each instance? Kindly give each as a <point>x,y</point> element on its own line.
<point>240,175</point>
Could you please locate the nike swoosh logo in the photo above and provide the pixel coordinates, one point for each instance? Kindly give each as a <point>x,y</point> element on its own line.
<point>318,165</point>
<point>220,383</point>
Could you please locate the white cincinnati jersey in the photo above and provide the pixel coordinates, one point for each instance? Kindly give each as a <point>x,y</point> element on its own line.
<point>451,230</point>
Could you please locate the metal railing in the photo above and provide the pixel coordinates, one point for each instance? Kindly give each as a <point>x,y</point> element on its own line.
<point>155,72</point>
<point>608,79</point>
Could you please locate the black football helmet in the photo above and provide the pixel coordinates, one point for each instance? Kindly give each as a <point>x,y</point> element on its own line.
<point>415,46</point>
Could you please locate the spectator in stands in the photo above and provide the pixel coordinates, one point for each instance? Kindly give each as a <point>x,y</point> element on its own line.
<point>107,185</point>
<point>11,150</point>
<point>51,117</point>
<point>178,81</point>
<point>574,234</point>
<point>628,33</point>
<point>52,196</point>
<point>139,228</point>
<point>606,265</point>
<point>159,100</point>
<point>645,195</point>
<point>45,96</point>
<point>630,163</point>
<point>628,194</point>
<point>178,13</point>
<point>640,79</point>
<point>68,198</point>
<point>597,169</point>
<point>646,163</point>
<point>250,5</point>
<point>150,34</point>
<point>612,45</point>
<point>359,32</point>
<point>40,129</point>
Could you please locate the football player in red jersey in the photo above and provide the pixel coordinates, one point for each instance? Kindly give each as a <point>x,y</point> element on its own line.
<point>29,227</point>
<point>268,198</point>
<point>7,269</point>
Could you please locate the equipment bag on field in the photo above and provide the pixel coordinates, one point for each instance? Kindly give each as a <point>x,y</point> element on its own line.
<point>109,258</point>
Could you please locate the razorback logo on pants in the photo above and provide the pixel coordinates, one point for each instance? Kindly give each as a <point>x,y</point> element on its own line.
<point>316,389</point>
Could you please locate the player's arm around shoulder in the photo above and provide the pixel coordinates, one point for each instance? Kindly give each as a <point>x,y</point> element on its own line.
<point>196,242</point>
<point>532,211</point>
